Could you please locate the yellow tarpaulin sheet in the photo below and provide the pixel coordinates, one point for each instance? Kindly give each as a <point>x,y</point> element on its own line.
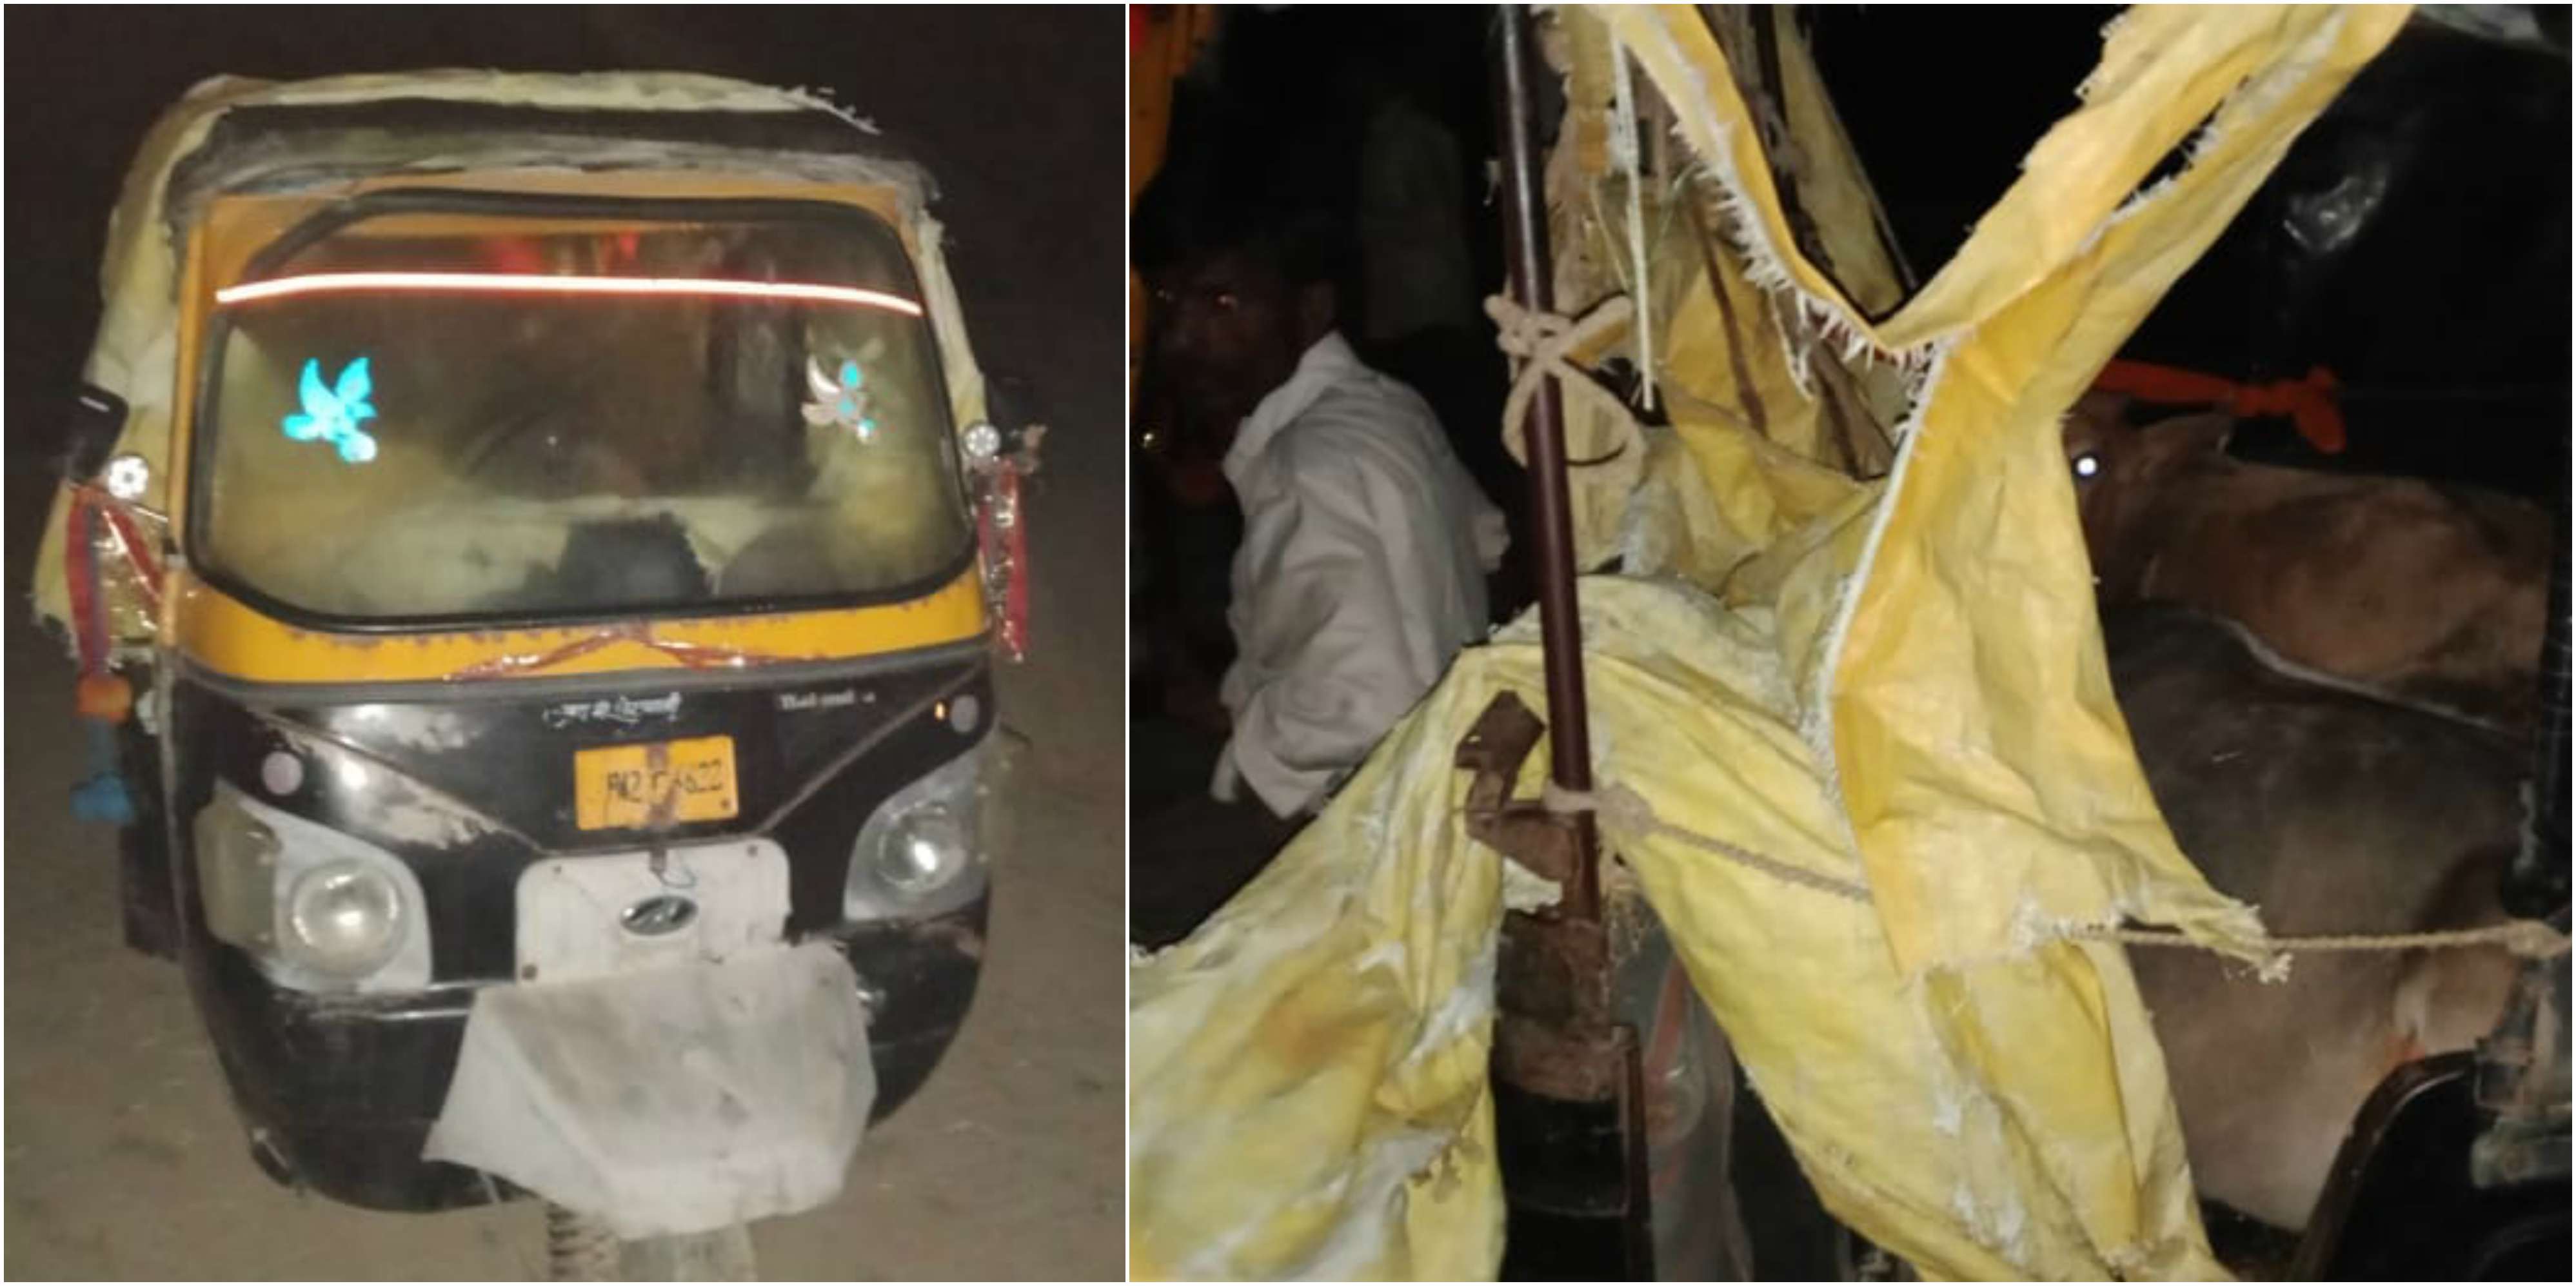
<point>1898,682</point>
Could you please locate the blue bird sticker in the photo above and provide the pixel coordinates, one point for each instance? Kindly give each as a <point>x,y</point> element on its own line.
<point>332,414</point>
<point>841,400</point>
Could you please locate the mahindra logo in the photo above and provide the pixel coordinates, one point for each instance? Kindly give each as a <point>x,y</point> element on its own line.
<point>655,916</point>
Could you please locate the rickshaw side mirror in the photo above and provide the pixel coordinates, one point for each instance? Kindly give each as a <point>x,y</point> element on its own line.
<point>98,419</point>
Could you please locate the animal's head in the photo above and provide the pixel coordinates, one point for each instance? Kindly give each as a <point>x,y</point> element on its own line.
<point>2123,472</point>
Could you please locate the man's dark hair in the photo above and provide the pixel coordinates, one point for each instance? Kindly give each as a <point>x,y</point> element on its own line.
<point>1192,211</point>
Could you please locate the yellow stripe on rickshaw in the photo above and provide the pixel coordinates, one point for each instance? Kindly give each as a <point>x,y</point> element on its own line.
<point>229,637</point>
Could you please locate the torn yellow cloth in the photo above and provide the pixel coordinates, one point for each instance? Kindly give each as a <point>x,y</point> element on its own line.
<point>1959,683</point>
<point>1309,1070</point>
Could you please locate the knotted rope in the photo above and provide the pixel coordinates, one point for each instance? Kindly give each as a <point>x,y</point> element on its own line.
<point>1539,343</point>
<point>1625,810</point>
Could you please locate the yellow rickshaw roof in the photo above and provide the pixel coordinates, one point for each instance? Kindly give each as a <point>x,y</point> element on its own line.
<point>231,136</point>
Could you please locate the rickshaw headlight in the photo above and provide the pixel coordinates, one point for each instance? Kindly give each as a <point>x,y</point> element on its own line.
<point>316,908</point>
<point>344,918</point>
<point>926,849</point>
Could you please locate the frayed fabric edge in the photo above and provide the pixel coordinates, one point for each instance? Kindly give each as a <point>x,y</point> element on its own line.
<point>1766,267</point>
<point>1816,724</point>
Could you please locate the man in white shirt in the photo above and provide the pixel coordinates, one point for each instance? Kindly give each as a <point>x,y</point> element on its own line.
<point>1366,544</point>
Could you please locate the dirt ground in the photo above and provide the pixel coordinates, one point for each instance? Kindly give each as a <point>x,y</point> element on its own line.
<point>123,1156</point>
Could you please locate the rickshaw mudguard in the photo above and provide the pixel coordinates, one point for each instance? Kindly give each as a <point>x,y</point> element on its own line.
<point>675,1101</point>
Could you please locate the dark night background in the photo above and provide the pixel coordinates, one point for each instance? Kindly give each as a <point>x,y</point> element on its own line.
<point>124,1159</point>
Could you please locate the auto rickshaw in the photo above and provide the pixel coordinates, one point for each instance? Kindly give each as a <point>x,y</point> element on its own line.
<point>534,549</point>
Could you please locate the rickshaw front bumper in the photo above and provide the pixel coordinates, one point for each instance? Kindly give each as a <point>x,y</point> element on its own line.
<point>341,1093</point>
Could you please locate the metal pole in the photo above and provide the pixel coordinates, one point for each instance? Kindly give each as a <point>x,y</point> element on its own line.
<point>1560,625</point>
<point>2536,886</point>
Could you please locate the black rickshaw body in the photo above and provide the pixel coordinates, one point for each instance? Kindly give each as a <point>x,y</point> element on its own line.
<point>339,1091</point>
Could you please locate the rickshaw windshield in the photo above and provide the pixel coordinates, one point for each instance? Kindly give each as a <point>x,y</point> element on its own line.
<point>428,415</point>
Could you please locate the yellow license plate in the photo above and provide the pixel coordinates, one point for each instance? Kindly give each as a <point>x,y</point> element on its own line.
<point>625,787</point>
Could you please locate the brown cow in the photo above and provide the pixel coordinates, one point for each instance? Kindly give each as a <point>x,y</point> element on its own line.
<point>2433,594</point>
<point>2330,812</point>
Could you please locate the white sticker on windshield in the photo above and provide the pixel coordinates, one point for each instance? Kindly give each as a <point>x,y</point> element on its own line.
<point>840,399</point>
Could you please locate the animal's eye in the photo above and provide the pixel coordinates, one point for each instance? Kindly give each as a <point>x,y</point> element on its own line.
<point>2088,466</point>
<point>1227,300</point>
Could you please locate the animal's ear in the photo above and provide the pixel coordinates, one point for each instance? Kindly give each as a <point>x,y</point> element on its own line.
<point>2090,423</point>
<point>2167,446</point>
<point>2107,409</point>
<point>2192,435</point>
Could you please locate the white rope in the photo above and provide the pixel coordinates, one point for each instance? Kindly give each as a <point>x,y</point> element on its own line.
<point>2528,938</point>
<point>1625,810</point>
<point>1539,343</point>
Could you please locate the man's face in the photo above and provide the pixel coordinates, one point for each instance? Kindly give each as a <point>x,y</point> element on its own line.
<point>1227,331</point>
